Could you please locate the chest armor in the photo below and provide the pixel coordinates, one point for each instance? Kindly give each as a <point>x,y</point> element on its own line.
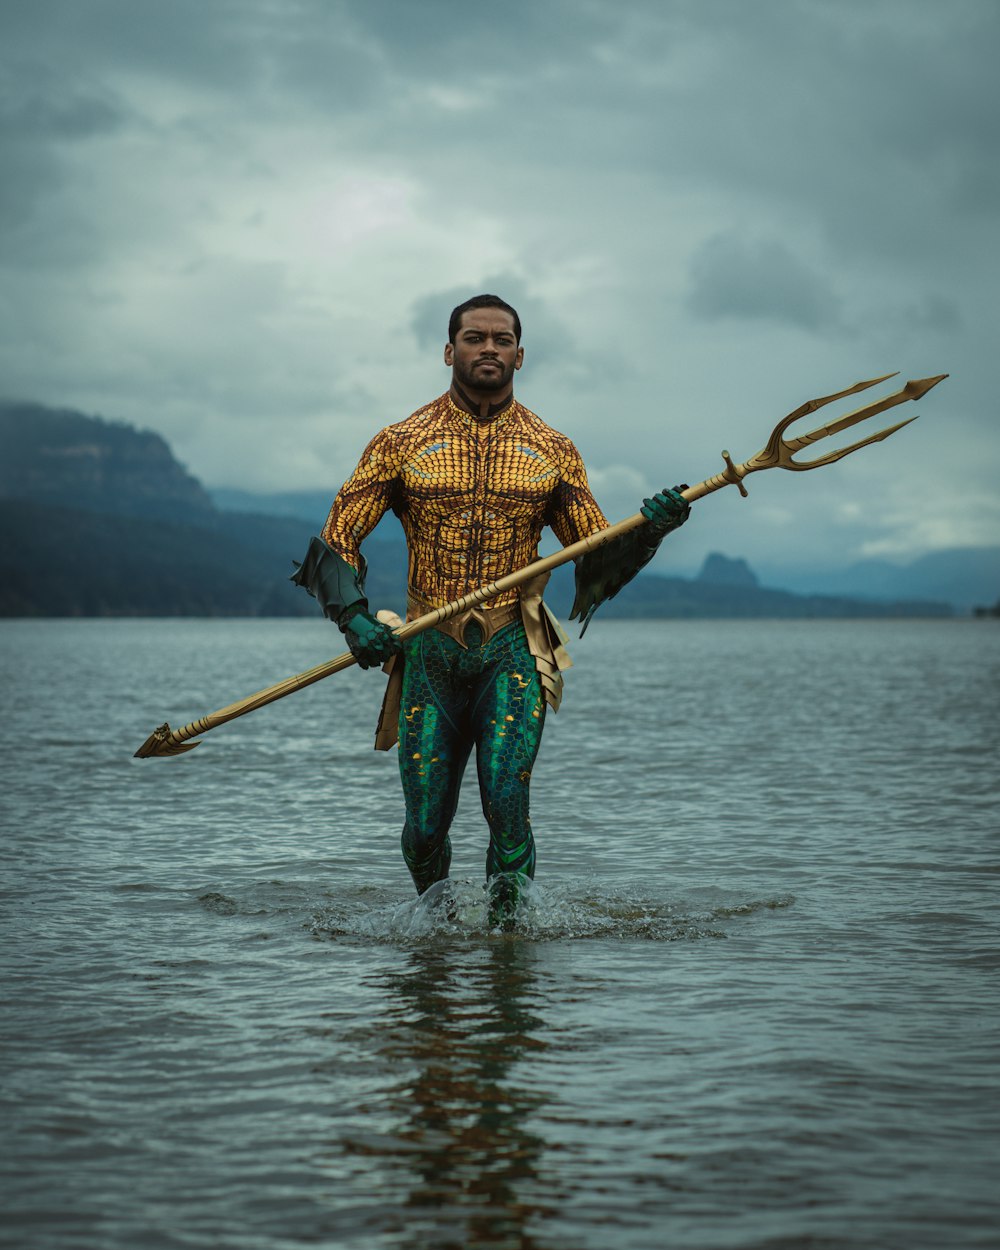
<point>473,501</point>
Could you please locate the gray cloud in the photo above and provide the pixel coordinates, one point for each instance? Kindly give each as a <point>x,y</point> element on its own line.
<point>259,214</point>
<point>187,42</point>
<point>37,105</point>
<point>736,277</point>
<point>936,312</point>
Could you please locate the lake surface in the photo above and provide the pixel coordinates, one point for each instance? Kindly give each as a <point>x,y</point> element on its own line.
<point>752,1001</point>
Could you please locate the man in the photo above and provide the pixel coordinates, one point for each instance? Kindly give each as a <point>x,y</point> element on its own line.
<point>473,477</point>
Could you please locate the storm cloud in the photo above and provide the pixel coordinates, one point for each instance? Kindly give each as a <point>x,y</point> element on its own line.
<point>243,225</point>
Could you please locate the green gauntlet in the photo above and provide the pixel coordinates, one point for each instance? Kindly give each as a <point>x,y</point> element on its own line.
<point>601,573</point>
<point>339,590</point>
<point>666,511</point>
<point>371,642</point>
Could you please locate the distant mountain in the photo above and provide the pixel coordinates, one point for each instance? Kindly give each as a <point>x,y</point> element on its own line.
<point>66,459</point>
<point>962,576</point>
<point>304,505</point>
<point>721,570</point>
<point>68,562</point>
<point>97,518</point>
<point>708,597</point>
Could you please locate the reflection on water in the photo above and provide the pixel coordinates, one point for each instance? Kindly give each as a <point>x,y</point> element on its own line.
<point>456,1034</point>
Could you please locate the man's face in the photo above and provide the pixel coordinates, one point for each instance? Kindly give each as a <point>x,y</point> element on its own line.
<point>485,353</point>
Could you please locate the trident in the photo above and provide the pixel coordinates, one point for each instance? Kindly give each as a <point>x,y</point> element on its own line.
<point>778,454</point>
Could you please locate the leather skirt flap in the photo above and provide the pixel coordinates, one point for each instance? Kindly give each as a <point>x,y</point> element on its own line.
<point>387,733</point>
<point>546,640</point>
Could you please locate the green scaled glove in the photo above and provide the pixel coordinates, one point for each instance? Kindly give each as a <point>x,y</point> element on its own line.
<point>371,642</point>
<point>666,511</point>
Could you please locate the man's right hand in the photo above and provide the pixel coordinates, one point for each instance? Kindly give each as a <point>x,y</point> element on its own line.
<point>371,642</point>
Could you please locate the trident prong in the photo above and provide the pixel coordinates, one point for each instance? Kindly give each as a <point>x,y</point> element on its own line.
<point>779,451</point>
<point>778,454</point>
<point>912,390</point>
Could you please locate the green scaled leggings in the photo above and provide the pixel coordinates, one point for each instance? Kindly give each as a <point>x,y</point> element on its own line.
<point>454,698</point>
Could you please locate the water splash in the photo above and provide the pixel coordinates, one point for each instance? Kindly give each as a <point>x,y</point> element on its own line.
<point>459,910</point>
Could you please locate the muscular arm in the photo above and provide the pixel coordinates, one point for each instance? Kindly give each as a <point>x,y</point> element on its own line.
<point>573,512</point>
<point>334,569</point>
<point>363,500</point>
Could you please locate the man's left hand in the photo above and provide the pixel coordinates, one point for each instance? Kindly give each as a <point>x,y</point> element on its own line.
<point>666,511</point>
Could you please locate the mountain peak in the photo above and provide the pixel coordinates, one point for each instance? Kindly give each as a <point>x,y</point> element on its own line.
<point>726,571</point>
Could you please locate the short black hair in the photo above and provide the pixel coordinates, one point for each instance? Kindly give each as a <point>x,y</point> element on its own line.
<point>481,301</point>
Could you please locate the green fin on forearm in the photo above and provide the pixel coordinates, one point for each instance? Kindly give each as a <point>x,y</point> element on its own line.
<point>601,573</point>
<point>331,581</point>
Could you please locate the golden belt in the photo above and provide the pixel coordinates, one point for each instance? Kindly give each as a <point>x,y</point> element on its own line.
<point>489,620</point>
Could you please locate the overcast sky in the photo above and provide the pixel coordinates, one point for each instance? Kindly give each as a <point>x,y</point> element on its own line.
<point>242,223</point>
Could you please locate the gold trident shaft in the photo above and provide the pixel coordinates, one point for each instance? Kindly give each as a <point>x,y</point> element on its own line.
<point>778,454</point>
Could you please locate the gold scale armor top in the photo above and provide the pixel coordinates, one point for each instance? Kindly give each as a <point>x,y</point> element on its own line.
<point>472,496</point>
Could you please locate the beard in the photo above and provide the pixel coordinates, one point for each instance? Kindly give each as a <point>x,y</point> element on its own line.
<point>489,383</point>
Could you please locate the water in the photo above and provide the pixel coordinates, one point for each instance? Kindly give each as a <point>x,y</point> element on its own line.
<point>751,1003</point>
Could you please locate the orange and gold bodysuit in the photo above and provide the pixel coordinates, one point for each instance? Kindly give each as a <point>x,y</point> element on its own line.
<point>473,497</point>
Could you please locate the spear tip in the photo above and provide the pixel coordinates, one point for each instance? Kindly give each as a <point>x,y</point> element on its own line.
<point>918,387</point>
<point>161,742</point>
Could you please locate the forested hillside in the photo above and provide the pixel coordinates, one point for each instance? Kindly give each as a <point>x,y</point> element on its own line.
<point>98,518</point>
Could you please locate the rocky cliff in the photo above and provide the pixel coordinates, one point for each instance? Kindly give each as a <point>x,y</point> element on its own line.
<point>61,458</point>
